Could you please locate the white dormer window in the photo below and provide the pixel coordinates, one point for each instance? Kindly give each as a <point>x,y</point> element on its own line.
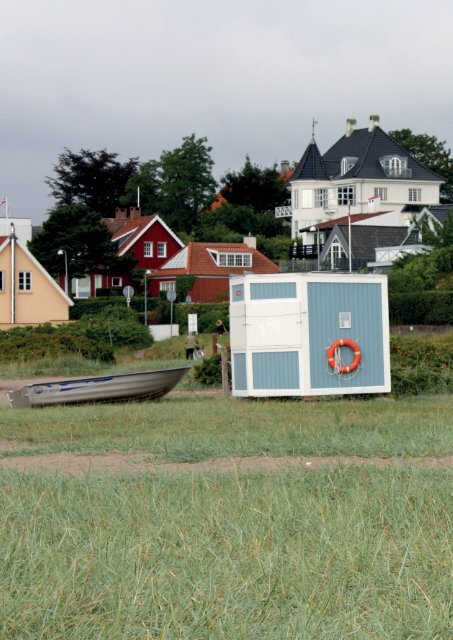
<point>395,166</point>
<point>347,164</point>
<point>233,259</point>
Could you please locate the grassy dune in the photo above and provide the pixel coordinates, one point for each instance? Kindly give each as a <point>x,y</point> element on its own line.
<point>352,553</point>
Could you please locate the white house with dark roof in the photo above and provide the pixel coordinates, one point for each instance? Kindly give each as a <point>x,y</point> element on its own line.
<point>362,165</point>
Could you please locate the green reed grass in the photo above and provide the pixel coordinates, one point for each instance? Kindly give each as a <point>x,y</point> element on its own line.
<point>350,553</point>
<point>195,428</point>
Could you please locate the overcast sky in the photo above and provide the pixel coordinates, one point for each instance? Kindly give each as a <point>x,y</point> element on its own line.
<point>136,76</point>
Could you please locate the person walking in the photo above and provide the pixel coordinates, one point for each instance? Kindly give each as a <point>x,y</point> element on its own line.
<point>191,344</point>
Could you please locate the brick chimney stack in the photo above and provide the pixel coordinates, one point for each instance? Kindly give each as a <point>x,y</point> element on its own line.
<point>350,126</point>
<point>135,213</point>
<point>120,213</point>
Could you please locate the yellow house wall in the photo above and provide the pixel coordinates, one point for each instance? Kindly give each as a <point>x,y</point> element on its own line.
<point>42,304</point>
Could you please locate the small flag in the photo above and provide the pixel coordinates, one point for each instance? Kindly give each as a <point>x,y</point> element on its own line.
<point>3,201</point>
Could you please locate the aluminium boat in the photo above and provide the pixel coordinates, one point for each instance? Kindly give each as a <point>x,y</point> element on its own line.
<point>146,385</point>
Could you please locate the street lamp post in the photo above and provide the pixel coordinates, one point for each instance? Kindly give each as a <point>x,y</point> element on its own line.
<point>66,283</point>
<point>147,273</point>
<point>313,229</point>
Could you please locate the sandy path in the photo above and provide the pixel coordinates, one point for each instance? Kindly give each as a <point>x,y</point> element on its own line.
<point>135,463</point>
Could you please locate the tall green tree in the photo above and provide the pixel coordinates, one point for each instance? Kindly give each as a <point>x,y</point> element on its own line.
<point>430,152</point>
<point>87,242</point>
<point>95,179</point>
<point>148,181</point>
<point>260,188</point>
<point>187,184</point>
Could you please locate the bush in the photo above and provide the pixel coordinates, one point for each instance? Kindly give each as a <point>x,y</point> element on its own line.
<point>117,326</point>
<point>423,307</point>
<point>207,314</point>
<point>209,372</point>
<point>45,341</point>
<point>420,366</point>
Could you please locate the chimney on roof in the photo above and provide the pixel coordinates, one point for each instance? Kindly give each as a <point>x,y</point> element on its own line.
<point>120,213</point>
<point>135,213</point>
<point>374,122</point>
<point>284,166</point>
<point>350,126</point>
<point>374,204</point>
<point>250,241</point>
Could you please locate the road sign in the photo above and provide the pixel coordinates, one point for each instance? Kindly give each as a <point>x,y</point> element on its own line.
<point>171,296</point>
<point>128,292</point>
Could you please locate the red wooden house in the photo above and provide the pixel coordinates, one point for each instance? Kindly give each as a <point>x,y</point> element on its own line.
<point>147,238</point>
<point>211,263</point>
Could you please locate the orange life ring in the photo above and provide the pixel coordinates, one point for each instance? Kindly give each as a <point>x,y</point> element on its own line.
<point>344,342</point>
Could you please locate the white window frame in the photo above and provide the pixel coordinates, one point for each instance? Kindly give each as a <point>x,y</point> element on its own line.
<point>415,194</point>
<point>167,285</point>
<point>24,281</point>
<point>161,249</point>
<point>395,166</point>
<point>119,281</point>
<point>336,253</point>
<point>148,249</point>
<point>2,281</point>
<point>295,198</point>
<point>321,199</point>
<point>234,260</point>
<point>77,290</point>
<point>381,192</point>
<point>307,198</point>
<point>346,195</point>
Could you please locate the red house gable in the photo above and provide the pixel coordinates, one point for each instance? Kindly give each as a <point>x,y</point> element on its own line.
<point>211,263</point>
<point>148,239</point>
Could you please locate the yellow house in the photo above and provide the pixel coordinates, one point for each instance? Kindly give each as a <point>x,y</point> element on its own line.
<point>28,294</point>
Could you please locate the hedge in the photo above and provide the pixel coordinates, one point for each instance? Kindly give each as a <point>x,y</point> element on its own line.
<point>423,307</point>
<point>207,312</point>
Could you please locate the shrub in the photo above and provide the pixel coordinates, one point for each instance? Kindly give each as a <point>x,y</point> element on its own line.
<point>423,307</point>
<point>420,366</point>
<point>212,311</point>
<point>209,371</point>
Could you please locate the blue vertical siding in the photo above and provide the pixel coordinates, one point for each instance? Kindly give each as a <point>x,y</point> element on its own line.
<point>276,370</point>
<point>240,372</point>
<point>272,290</point>
<point>237,293</point>
<point>364,301</point>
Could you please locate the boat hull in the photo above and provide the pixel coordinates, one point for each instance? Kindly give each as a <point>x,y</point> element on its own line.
<point>129,386</point>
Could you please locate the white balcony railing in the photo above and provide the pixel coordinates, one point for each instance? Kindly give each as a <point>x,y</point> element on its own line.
<point>283,212</point>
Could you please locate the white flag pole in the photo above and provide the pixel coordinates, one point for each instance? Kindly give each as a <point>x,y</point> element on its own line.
<point>349,238</point>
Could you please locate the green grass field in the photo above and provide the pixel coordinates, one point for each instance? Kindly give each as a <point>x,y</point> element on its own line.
<point>195,428</point>
<point>350,553</point>
<point>361,553</point>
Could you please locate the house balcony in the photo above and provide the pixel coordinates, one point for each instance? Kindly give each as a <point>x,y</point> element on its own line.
<point>306,251</point>
<point>283,212</point>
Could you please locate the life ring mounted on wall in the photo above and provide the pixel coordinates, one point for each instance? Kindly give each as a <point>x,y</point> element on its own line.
<point>333,356</point>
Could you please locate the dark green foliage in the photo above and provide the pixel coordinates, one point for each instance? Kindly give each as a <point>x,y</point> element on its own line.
<point>209,371</point>
<point>277,248</point>
<point>207,314</point>
<point>80,232</point>
<point>148,180</point>
<point>261,189</point>
<point>32,343</point>
<point>420,366</point>
<point>118,326</point>
<point>431,153</point>
<point>439,235</point>
<point>183,285</point>
<point>187,184</point>
<point>92,178</point>
<point>420,272</point>
<point>424,307</point>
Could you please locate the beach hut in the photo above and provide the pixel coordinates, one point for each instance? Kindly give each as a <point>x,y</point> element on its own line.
<point>309,334</point>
